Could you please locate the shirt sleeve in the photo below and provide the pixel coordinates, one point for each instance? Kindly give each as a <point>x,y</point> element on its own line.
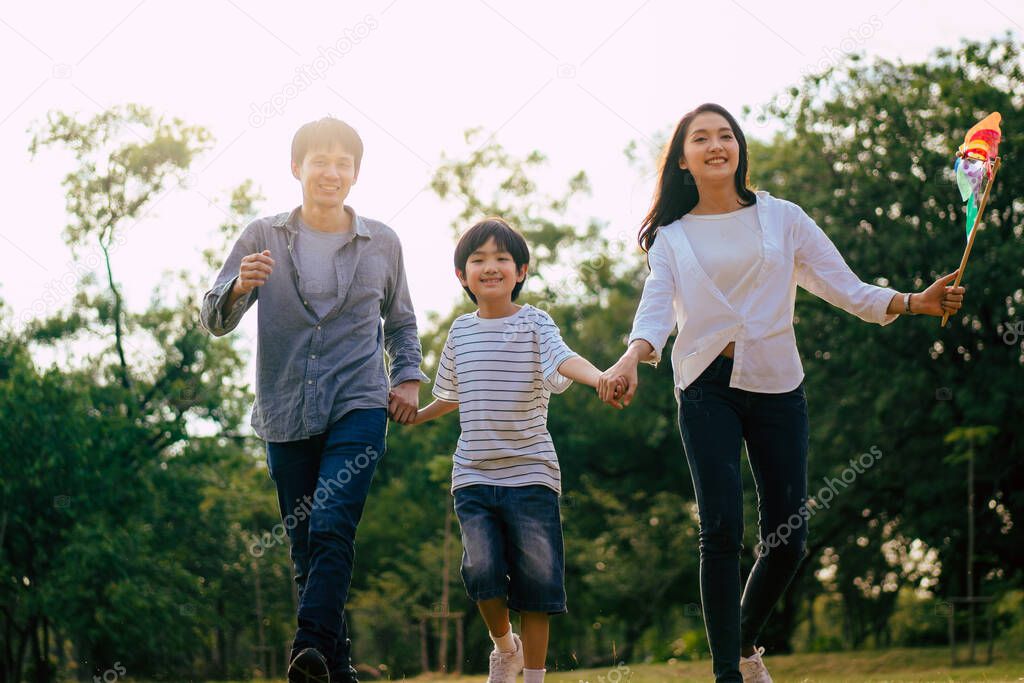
<point>822,271</point>
<point>655,316</point>
<point>446,384</point>
<point>401,339</point>
<point>212,315</point>
<point>553,352</point>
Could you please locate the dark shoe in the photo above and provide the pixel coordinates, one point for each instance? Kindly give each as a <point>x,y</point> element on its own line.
<point>309,666</point>
<point>345,672</point>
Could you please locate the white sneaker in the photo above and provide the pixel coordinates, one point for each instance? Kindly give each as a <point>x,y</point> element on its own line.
<point>505,666</point>
<point>753,668</point>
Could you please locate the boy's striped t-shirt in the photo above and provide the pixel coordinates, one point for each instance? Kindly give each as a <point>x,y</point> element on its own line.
<point>502,372</point>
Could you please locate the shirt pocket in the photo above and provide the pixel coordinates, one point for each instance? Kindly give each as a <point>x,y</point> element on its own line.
<point>369,284</point>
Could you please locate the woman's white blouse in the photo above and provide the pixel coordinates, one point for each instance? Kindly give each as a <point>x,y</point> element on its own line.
<point>678,293</point>
<point>728,248</point>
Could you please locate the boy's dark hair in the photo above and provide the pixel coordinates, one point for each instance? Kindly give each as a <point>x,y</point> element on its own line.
<point>505,237</point>
<point>324,133</point>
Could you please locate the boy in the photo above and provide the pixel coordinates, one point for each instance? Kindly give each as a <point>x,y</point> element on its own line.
<point>499,367</point>
<point>323,278</point>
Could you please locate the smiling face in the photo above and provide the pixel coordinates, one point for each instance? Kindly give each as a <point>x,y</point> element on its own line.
<point>491,273</point>
<point>710,150</point>
<point>326,175</point>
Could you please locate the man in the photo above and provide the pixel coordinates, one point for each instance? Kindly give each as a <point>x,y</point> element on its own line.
<point>323,277</point>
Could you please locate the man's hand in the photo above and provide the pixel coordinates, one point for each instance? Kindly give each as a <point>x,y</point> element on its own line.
<point>404,402</point>
<point>254,271</point>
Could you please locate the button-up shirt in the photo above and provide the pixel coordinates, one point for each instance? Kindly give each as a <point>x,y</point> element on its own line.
<point>678,293</point>
<point>312,370</point>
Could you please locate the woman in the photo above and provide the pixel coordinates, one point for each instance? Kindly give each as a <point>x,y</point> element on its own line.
<point>725,262</point>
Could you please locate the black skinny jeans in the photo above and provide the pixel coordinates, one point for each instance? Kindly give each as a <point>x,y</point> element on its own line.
<point>713,419</point>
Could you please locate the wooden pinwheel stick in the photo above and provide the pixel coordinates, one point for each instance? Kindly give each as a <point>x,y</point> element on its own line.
<point>974,231</point>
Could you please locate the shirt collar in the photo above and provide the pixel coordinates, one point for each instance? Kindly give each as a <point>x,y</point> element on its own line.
<point>290,221</point>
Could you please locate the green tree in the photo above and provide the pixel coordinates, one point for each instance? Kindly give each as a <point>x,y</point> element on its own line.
<point>125,531</point>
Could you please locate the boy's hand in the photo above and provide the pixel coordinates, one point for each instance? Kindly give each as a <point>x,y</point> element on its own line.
<point>404,401</point>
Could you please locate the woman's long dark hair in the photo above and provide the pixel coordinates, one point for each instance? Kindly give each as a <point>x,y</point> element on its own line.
<point>677,191</point>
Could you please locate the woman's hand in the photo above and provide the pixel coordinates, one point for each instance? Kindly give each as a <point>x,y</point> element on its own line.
<point>939,298</point>
<point>609,386</point>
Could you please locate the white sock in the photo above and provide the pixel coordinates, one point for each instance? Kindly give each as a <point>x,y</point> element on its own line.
<point>533,675</point>
<point>504,643</point>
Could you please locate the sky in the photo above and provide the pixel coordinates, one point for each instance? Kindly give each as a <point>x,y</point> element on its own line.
<point>576,80</point>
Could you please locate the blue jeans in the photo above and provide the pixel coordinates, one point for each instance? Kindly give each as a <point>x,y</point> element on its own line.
<point>512,546</point>
<point>713,419</point>
<point>322,484</point>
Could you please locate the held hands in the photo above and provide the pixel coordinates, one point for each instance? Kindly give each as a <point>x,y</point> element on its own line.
<point>618,383</point>
<point>254,271</point>
<point>939,298</point>
<point>404,402</point>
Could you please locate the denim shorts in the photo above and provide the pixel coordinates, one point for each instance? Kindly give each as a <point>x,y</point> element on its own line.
<point>512,546</point>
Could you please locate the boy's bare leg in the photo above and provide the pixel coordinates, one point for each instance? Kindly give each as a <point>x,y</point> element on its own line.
<point>534,632</point>
<point>495,614</point>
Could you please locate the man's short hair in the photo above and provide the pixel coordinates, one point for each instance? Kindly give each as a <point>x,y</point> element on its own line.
<point>324,134</point>
<point>505,237</point>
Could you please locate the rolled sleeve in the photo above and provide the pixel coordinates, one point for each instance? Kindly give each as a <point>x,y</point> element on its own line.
<point>655,316</point>
<point>882,316</point>
<point>401,339</point>
<point>822,271</point>
<point>211,315</point>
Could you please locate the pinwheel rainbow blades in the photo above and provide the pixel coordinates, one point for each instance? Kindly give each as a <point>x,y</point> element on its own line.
<point>977,162</point>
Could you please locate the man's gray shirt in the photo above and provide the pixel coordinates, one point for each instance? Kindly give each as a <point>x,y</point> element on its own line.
<point>312,370</point>
<point>316,255</point>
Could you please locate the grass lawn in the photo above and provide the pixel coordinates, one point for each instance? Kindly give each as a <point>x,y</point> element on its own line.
<point>898,665</point>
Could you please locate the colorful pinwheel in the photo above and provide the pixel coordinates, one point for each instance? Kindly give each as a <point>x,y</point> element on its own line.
<point>977,162</point>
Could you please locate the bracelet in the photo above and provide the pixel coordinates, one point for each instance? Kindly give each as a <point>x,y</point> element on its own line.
<point>906,304</point>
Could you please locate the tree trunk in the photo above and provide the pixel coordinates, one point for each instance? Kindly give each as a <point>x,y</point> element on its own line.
<point>118,330</point>
<point>220,642</point>
<point>19,659</point>
<point>261,638</point>
<point>442,649</point>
